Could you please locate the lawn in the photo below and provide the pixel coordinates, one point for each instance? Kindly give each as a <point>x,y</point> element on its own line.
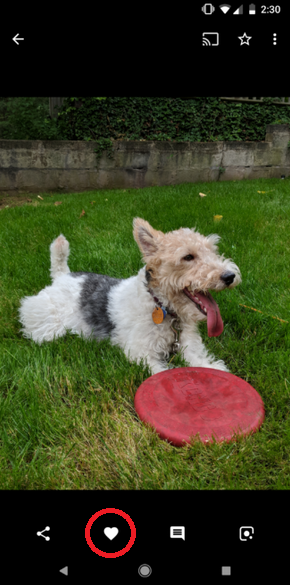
<point>67,407</point>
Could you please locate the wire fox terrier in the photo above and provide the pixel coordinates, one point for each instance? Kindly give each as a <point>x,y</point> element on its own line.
<point>143,314</point>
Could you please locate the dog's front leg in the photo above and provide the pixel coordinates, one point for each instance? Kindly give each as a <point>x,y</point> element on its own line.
<point>155,364</point>
<point>195,353</point>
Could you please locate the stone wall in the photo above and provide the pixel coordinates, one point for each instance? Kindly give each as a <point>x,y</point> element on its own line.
<point>70,166</point>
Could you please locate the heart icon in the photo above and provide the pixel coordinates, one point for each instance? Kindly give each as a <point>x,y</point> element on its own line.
<point>111,532</point>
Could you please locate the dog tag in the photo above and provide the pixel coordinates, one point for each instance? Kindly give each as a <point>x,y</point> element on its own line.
<point>158,315</point>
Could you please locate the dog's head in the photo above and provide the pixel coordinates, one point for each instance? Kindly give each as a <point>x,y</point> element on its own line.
<point>184,266</point>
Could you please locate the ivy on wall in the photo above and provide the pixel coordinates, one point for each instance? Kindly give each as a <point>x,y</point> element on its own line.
<point>201,119</point>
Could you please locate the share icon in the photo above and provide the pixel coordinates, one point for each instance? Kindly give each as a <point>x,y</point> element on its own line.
<point>40,533</point>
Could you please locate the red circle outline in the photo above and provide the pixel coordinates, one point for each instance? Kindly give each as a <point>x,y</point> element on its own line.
<point>118,553</point>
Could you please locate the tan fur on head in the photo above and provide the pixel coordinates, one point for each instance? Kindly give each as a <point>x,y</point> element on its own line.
<point>165,257</point>
<point>149,241</point>
<point>146,237</point>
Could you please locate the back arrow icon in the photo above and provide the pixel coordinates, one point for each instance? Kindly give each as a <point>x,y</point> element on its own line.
<point>64,571</point>
<point>16,40</point>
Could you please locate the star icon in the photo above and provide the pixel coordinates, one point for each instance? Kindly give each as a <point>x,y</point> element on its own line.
<point>244,39</point>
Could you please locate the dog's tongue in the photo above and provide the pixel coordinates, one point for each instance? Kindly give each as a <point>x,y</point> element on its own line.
<point>215,324</point>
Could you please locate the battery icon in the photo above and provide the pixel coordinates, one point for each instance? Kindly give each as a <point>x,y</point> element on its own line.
<point>252,9</point>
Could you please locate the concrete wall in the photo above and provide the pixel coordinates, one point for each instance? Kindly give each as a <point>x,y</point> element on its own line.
<point>39,166</point>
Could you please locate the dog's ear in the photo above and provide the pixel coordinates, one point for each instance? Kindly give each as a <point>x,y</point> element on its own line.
<point>214,240</point>
<point>146,237</point>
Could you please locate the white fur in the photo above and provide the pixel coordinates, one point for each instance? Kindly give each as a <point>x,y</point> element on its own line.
<point>54,311</point>
<point>131,308</point>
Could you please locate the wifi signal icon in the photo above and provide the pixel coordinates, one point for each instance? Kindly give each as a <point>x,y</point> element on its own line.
<point>224,8</point>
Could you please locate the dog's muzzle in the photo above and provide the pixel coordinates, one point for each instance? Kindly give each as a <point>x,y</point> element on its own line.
<point>228,278</point>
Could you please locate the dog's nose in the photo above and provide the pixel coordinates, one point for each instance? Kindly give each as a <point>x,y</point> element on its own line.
<point>228,277</point>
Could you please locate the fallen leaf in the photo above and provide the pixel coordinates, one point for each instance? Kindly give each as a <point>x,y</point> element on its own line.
<point>202,195</point>
<point>30,200</point>
<point>217,217</point>
<point>261,191</point>
<point>40,197</point>
<point>58,203</point>
<point>82,213</point>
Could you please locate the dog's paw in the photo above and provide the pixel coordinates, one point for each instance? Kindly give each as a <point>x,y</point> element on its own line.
<point>219,365</point>
<point>158,369</point>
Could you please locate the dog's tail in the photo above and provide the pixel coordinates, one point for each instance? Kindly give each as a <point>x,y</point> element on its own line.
<point>59,253</point>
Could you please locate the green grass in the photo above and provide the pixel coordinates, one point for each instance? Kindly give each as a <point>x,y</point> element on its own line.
<point>67,414</point>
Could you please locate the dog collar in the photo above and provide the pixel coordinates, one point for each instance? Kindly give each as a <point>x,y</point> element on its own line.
<point>160,312</point>
<point>158,317</point>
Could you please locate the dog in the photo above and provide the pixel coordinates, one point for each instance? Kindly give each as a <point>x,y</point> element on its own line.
<point>150,315</point>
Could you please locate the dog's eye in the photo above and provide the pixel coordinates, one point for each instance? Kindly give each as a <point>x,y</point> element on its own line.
<point>188,257</point>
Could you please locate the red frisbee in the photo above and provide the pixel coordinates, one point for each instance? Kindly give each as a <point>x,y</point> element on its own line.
<point>183,402</point>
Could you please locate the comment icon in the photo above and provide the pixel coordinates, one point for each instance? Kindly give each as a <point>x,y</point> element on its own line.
<point>177,532</point>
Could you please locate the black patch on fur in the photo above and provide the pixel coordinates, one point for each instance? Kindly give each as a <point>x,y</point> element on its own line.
<point>93,302</point>
<point>148,275</point>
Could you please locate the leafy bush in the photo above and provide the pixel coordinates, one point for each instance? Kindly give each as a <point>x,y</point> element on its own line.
<point>200,119</point>
<point>27,118</point>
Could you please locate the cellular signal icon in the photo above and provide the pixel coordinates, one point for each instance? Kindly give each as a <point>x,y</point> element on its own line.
<point>239,10</point>
<point>225,8</point>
